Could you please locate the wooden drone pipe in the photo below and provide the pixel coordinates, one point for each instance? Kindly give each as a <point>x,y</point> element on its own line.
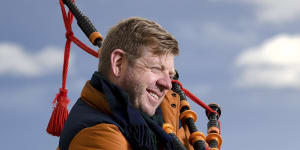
<point>214,138</point>
<point>85,24</point>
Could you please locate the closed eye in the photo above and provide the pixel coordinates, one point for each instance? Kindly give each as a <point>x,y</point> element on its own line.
<point>156,69</point>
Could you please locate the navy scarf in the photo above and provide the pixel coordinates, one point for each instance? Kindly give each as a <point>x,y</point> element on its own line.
<point>142,132</point>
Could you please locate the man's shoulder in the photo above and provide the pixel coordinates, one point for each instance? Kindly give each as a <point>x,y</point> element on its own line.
<point>82,117</point>
<point>101,136</point>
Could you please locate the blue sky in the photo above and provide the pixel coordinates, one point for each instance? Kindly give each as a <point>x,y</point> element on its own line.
<point>241,54</point>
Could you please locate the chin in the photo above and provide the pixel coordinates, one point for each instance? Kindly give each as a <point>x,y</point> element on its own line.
<point>149,112</point>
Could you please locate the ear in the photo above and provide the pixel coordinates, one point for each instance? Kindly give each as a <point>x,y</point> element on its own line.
<point>117,60</point>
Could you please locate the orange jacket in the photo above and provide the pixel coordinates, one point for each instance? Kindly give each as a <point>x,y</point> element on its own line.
<point>108,136</point>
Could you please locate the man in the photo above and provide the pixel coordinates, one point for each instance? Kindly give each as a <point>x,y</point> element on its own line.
<point>127,101</point>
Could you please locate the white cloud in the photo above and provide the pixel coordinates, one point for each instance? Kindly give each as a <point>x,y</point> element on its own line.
<point>273,64</point>
<point>15,60</point>
<point>276,11</point>
<point>212,32</point>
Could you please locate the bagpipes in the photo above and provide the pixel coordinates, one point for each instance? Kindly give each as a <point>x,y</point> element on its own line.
<point>197,139</point>
<point>213,140</point>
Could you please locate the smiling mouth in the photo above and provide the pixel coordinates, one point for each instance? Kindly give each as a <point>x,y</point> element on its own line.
<point>155,96</point>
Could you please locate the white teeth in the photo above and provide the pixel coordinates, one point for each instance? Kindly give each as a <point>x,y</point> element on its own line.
<point>153,95</point>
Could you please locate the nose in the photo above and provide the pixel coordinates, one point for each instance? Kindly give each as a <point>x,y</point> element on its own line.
<point>164,83</point>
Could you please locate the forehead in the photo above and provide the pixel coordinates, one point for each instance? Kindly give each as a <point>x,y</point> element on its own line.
<point>163,60</point>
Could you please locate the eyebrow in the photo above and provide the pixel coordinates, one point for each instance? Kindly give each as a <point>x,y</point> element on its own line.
<point>171,73</point>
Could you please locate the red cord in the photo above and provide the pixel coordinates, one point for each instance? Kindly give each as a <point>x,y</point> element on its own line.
<point>84,47</point>
<point>194,98</point>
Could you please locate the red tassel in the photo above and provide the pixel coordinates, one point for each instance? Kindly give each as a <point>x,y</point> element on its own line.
<point>59,114</point>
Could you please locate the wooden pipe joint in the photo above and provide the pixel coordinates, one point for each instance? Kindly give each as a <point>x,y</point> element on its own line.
<point>196,136</point>
<point>184,103</point>
<point>95,35</point>
<point>213,130</point>
<point>168,128</point>
<point>188,114</point>
<point>214,136</point>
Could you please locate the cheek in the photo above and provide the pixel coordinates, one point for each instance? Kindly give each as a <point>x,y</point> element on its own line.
<point>150,78</point>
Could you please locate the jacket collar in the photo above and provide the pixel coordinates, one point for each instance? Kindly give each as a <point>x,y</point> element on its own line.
<point>94,98</point>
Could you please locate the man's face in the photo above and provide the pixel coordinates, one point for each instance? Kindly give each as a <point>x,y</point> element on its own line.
<point>148,80</point>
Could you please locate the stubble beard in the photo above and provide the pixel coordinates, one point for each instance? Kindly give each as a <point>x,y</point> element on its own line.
<point>134,89</point>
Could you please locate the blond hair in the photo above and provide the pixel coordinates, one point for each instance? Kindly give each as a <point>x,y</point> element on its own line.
<point>131,35</point>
